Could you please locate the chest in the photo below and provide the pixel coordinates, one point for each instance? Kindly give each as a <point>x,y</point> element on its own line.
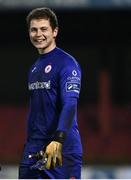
<point>43,72</point>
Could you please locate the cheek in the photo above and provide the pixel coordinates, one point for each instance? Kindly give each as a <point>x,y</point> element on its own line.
<point>31,39</point>
<point>31,36</point>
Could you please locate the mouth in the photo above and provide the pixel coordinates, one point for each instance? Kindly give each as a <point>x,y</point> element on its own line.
<point>39,40</point>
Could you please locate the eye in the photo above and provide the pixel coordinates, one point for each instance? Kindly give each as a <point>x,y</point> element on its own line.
<point>33,29</point>
<point>43,29</point>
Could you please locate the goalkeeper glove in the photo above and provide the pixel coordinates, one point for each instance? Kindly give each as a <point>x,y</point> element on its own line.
<point>53,153</point>
<point>49,158</point>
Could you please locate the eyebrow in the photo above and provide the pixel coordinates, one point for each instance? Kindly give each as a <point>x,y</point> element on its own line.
<point>39,27</point>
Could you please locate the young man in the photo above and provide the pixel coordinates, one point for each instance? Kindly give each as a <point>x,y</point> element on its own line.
<point>54,85</point>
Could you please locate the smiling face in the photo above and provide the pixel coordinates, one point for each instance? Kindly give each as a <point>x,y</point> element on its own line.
<point>42,35</point>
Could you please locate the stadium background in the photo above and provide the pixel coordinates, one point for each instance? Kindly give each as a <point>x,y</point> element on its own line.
<point>99,36</point>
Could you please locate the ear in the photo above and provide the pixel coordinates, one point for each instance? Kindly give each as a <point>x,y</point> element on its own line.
<point>55,32</point>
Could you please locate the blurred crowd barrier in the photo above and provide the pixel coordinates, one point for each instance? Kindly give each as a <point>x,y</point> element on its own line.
<point>88,172</point>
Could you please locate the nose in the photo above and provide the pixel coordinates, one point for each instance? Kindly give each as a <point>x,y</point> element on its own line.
<point>39,32</point>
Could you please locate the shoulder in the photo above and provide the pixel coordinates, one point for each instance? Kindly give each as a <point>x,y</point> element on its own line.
<point>67,60</point>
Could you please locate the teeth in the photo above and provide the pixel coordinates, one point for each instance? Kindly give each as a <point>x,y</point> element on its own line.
<point>39,40</point>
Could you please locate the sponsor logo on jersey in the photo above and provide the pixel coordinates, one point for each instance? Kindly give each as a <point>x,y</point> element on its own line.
<point>39,85</point>
<point>74,73</point>
<point>48,68</point>
<point>73,78</point>
<point>73,86</point>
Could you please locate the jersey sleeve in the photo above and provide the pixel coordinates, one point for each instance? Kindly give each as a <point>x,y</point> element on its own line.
<point>70,83</point>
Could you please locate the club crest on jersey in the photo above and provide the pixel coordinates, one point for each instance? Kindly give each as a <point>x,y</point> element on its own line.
<point>74,73</point>
<point>48,68</point>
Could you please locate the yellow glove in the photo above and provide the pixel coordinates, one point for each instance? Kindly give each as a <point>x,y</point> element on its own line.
<point>53,153</point>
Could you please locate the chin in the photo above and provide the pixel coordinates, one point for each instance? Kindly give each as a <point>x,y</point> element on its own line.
<point>39,47</point>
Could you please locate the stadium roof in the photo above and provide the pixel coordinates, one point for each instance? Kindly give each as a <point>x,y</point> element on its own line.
<point>66,4</point>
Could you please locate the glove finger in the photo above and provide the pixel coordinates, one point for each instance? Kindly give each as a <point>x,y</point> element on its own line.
<point>59,157</point>
<point>54,160</point>
<point>48,163</point>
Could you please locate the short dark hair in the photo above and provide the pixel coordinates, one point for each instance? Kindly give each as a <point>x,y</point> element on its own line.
<point>43,13</point>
